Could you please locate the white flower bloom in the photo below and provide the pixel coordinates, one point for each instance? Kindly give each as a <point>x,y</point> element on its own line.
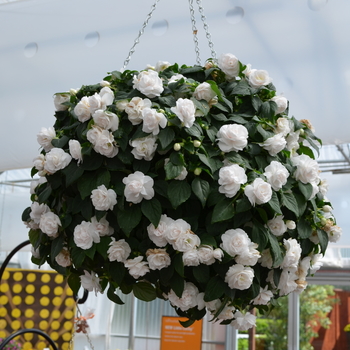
<point>82,109</point>
<point>37,210</point>
<point>158,234</point>
<point>213,305</point>
<point>158,259</point>
<point>56,159</point>
<point>277,225</point>
<point>307,169</point>
<point>186,241</point>
<point>148,83</point>
<point>39,162</point>
<point>231,178</point>
<point>232,137</point>
<point>107,97</point>
<point>161,65</point>
<point>276,175</point>
<point>191,258</point>
<point>84,236</point>
<point>101,227</point>
<point>274,144</point>
<point>45,136</point>
<point>229,64</point>
<point>49,223</point>
<point>152,120</point>
<point>75,150</point>
<point>247,70</point>
<point>175,78</point>
<point>293,253</point>
<point>106,120</point>
<point>259,192</point>
<point>281,102</point>
<point>103,141</point>
<point>95,103</point>
<point>266,259</point>
<point>59,99</point>
<point>239,277</point>
<point>105,83</point>
<point>63,258</point>
<point>144,148</point>
<point>188,298</point>
<point>135,107</point>
<point>243,322</point>
<point>316,263</point>
<point>303,268</point>
<point>35,252</point>
<point>323,186</point>
<point>137,267</point>
<point>218,254</point>
<point>103,199</point>
<point>204,92</point>
<point>35,183</point>
<point>235,242</point>
<point>90,282</point>
<point>264,297</point>
<point>258,78</point>
<point>138,187</point>
<point>226,313</point>
<point>335,233</point>
<point>287,283</point>
<point>121,105</point>
<point>206,254</point>
<point>293,142</point>
<point>118,250</point>
<point>185,110</point>
<point>250,256</point>
<point>176,229</point>
<point>282,126</point>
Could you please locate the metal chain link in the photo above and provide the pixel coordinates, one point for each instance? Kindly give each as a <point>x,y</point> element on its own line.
<point>206,28</point>
<point>194,32</point>
<point>137,40</point>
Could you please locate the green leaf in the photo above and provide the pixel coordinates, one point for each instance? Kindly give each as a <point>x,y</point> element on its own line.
<point>45,194</point>
<point>179,265</point>
<point>274,203</point>
<point>212,163</point>
<point>187,323</point>
<point>323,238</point>
<point>195,130</point>
<point>92,162</point>
<point>113,297</point>
<point>152,209</point>
<point>90,181</point>
<point>172,171</point>
<point>91,252</point>
<point>259,235</point>
<point>304,228</point>
<point>166,137</point>
<point>224,210</point>
<point>289,201</point>
<point>242,88</point>
<point>103,246</point>
<point>214,289</point>
<point>268,109</point>
<point>178,192</point>
<point>201,189</point>
<point>144,291</point>
<point>72,173</point>
<point>61,142</point>
<point>275,250</point>
<point>74,283</point>
<point>243,205</point>
<point>129,218</point>
<point>305,189</point>
<point>177,158</point>
<point>117,271</point>
<point>177,284</point>
<point>56,246</point>
<point>201,273</point>
<point>26,214</point>
<point>201,105</point>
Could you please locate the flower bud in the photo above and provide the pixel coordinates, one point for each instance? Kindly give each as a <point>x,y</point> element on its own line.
<point>197,171</point>
<point>73,91</point>
<point>323,221</point>
<point>291,224</point>
<point>177,147</point>
<point>197,143</point>
<point>327,208</point>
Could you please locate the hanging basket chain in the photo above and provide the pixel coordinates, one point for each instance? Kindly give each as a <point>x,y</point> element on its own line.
<point>194,31</point>
<point>142,30</point>
<point>206,29</point>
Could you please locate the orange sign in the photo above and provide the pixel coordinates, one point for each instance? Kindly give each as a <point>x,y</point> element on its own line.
<point>175,336</point>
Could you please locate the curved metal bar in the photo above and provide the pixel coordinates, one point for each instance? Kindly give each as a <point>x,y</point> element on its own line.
<point>8,258</point>
<point>83,299</point>
<point>29,330</point>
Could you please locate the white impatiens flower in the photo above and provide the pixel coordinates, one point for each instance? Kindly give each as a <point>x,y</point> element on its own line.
<point>307,169</point>
<point>264,297</point>
<point>176,229</point>
<point>185,110</point>
<point>258,78</point>
<point>186,241</point>
<point>138,186</point>
<point>148,83</point>
<point>37,210</point>
<point>274,144</point>
<point>239,277</point>
<point>118,250</point>
<point>63,258</point>
<point>90,282</point>
<point>266,259</point>
<point>101,226</point>
<point>158,234</point>
<point>281,102</point>
<point>231,178</point>
<point>75,150</point>
<point>45,136</point>
<point>229,64</point>
<point>293,253</point>
<point>334,233</point>
<point>191,258</point>
<point>82,109</point>
<point>232,137</point>
<point>152,120</point>
<point>103,199</point>
<point>287,282</point>
<point>235,242</point>
<point>283,126</point>
<point>59,100</point>
<point>103,141</point>
<point>161,65</point>
<point>243,322</point>
<point>276,175</point>
<point>277,225</point>
<point>56,159</point>
<point>259,192</point>
<point>144,148</point>
<point>49,223</point>
<point>84,235</point>
<point>135,107</point>
<point>250,256</point>
<point>204,92</point>
<point>158,259</point>
<point>106,120</point>
<point>206,254</point>
<point>137,267</point>
<point>188,298</point>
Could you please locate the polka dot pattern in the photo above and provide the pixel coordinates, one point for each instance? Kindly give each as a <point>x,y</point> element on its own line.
<point>36,299</point>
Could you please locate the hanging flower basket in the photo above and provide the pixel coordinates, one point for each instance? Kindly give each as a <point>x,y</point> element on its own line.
<point>185,183</point>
